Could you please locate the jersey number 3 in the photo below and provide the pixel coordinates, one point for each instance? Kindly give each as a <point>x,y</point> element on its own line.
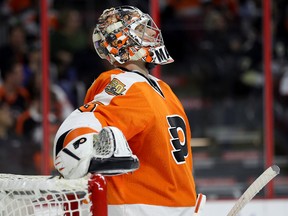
<point>177,130</point>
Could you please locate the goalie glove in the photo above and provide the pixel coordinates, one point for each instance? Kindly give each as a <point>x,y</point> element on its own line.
<point>113,155</point>
<point>82,150</point>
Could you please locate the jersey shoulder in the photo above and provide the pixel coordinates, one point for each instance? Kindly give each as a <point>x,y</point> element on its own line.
<point>100,83</point>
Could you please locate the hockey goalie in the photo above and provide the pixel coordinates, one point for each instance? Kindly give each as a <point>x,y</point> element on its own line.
<point>128,99</point>
<point>82,146</point>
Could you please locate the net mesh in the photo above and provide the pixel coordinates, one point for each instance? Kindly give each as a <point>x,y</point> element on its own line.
<point>44,195</point>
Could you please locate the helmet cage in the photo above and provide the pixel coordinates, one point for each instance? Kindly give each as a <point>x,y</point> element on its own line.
<point>139,30</point>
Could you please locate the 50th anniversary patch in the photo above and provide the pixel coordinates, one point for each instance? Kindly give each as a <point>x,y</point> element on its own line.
<point>115,87</point>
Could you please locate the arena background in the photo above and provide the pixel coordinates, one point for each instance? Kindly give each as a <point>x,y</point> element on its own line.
<point>230,73</point>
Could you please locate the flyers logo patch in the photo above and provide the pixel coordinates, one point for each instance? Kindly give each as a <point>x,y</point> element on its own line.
<point>115,87</point>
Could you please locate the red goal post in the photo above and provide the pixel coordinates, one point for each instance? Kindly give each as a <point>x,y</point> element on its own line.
<point>46,195</point>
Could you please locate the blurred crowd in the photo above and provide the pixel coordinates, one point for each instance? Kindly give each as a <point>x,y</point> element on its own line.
<point>217,46</point>
<point>218,50</point>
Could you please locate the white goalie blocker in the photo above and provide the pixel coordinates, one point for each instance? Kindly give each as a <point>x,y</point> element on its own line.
<point>82,146</point>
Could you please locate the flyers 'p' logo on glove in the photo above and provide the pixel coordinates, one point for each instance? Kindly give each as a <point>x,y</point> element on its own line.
<point>177,130</point>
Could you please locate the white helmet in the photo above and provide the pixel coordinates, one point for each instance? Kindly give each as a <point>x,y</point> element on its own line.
<point>126,34</point>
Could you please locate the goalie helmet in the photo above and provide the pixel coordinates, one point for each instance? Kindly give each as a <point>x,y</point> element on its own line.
<point>127,29</point>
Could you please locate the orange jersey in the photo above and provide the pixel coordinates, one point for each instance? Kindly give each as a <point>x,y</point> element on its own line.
<point>156,127</point>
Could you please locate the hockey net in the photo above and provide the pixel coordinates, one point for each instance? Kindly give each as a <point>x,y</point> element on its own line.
<point>23,195</point>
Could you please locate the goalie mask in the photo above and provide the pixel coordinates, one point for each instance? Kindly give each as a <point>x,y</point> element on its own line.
<point>126,34</point>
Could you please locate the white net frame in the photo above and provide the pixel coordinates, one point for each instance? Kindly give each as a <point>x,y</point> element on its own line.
<point>23,195</point>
